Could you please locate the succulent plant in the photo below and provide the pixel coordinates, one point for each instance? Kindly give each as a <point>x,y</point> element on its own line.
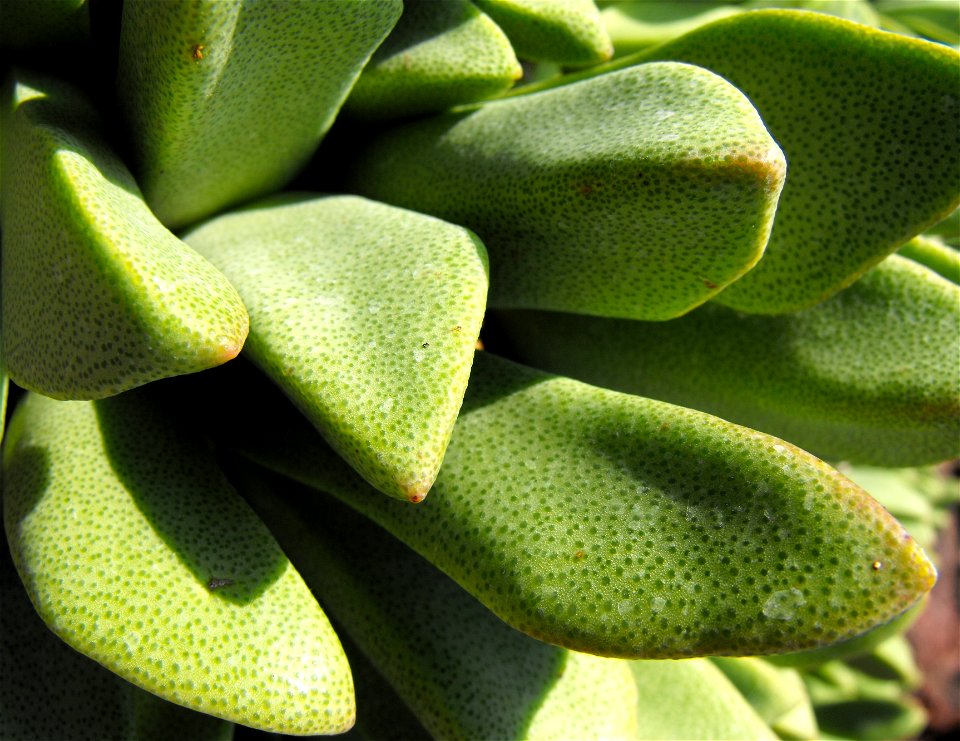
<point>359,383</point>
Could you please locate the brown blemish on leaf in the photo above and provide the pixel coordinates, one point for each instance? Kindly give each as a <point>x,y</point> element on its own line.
<point>218,582</point>
<point>196,51</point>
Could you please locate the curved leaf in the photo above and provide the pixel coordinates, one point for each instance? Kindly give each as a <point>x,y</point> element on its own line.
<point>869,123</point>
<point>868,376</point>
<point>637,194</point>
<point>438,56</point>
<point>570,32</point>
<point>622,526</point>
<point>137,552</point>
<point>366,316</point>
<point>98,297</point>
<point>934,254</point>
<point>225,101</point>
<point>460,669</point>
<point>49,691</point>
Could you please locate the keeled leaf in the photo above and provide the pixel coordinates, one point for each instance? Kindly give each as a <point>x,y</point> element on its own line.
<point>136,551</point>
<point>225,101</point>
<point>462,671</point>
<point>621,526</point>
<point>638,194</point>
<point>868,376</point>
<point>366,316</point>
<point>98,297</point>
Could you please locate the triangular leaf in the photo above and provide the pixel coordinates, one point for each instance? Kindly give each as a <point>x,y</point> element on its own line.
<point>366,316</point>
<point>98,297</point>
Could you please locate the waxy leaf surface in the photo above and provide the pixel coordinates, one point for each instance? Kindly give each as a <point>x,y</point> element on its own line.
<point>98,297</point>
<point>869,122</point>
<point>225,101</point>
<point>462,671</point>
<point>438,55</point>
<point>137,552</point>
<point>621,526</point>
<point>636,194</point>
<point>869,376</point>
<point>366,315</point>
<point>49,691</point>
<point>568,32</point>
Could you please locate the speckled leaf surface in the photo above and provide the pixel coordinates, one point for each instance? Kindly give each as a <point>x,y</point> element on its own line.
<point>776,693</point>
<point>869,376</point>
<point>462,671</point>
<point>692,699</point>
<point>870,125</point>
<point>98,297</point>
<point>576,192</point>
<point>622,526</point>
<point>137,552</point>
<point>568,32</point>
<point>367,316</point>
<point>225,101</point>
<point>49,691</point>
<point>439,55</point>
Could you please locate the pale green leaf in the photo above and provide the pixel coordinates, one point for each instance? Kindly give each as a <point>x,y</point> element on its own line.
<point>366,316</point>
<point>136,551</point>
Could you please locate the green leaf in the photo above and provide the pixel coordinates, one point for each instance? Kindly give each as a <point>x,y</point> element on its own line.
<point>934,254</point>
<point>460,669</point>
<point>43,24</point>
<point>778,695</point>
<point>137,552</point>
<point>872,720</point>
<point>870,125</point>
<point>366,316</point>
<point>98,297</point>
<point>226,101</point>
<point>641,24</point>
<point>577,192</point>
<point>692,699</point>
<point>570,32</point>
<point>617,525</point>
<point>935,19</point>
<point>438,56</point>
<point>49,691</point>
<point>868,376</point>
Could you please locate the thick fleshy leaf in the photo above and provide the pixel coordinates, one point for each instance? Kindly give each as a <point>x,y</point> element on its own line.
<point>366,316</point>
<point>570,32</point>
<point>934,254</point>
<point>438,56</point>
<point>462,671</point>
<point>777,694</point>
<point>868,376</point>
<point>49,691</point>
<point>136,551</point>
<point>577,192</point>
<point>870,125</point>
<point>934,19</point>
<point>225,101</point>
<point>618,525</point>
<point>98,297</point>
<point>872,720</point>
<point>692,699</point>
